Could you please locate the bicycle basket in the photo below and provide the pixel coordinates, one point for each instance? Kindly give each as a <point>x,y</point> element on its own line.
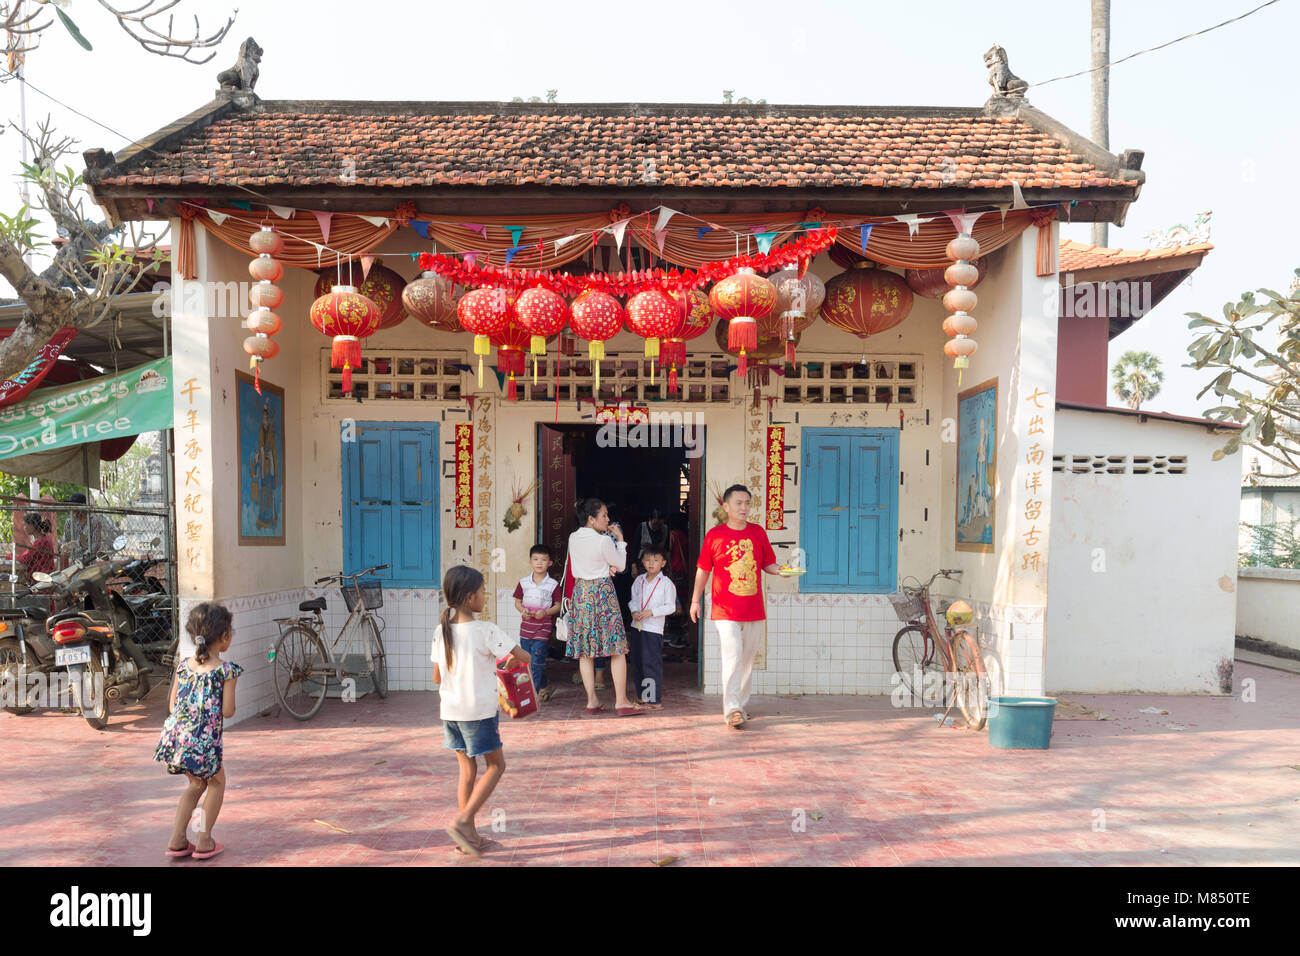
<point>907,606</point>
<point>372,594</point>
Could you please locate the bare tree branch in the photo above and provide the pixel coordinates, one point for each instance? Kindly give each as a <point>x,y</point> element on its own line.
<point>136,23</point>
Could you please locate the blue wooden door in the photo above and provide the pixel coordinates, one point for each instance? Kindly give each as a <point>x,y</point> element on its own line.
<point>849,509</point>
<point>390,501</point>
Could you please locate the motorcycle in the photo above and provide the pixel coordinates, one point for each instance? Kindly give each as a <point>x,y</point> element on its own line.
<point>93,639</point>
<point>151,609</point>
<point>26,648</point>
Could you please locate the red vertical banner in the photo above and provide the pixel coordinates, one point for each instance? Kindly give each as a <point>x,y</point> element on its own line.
<point>464,475</point>
<point>775,477</point>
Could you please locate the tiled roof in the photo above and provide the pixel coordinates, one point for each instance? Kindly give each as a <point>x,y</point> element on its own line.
<point>1077,256</point>
<point>278,143</point>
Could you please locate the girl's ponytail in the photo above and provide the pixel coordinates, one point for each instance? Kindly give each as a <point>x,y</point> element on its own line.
<point>459,585</point>
<point>208,623</point>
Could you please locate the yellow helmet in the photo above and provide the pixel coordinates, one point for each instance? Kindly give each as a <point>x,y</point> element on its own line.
<point>959,614</point>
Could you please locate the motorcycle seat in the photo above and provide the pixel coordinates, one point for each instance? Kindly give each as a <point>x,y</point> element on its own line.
<point>315,605</point>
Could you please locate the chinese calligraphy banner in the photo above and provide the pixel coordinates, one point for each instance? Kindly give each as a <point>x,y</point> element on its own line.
<point>775,477</point>
<point>977,441</point>
<point>464,475</point>
<point>138,400</point>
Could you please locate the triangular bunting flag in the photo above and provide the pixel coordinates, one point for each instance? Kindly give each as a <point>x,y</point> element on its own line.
<point>149,204</point>
<point>515,233</point>
<point>475,227</point>
<point>618,229</point>
<point>660,236</point>
<point>240,204</point>
<point>377,221</point>
<point>914,222</point>
<point>1017,197</point>
<point>699,233</point>
<point>471,258</point>
<point>319,249</point>
<point>664,215</point>
<point>764,241</point>
<point>366,263</point>
<point>511,253</point>
<point>324,219</point>
<point>284,212</point>
<point>962,221</point>
<point>810,225</point>
<point>866,234</point>
<point>560,243</point>
<point>217,217</point>
<point>1002,208</point>
<point>421,227</point>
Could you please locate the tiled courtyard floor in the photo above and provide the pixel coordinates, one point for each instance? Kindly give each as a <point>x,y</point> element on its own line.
<point>368,783</point>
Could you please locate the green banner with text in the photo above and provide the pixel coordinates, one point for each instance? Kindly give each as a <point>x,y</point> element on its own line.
<point>137,400</point>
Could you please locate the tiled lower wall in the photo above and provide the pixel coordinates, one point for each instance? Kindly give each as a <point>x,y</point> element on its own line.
<point>409,617</point>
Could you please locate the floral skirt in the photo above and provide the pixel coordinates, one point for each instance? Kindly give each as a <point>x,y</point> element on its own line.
<point>595,622</point>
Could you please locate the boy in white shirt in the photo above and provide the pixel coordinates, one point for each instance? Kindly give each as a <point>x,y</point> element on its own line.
<point>537,598</point>
<point>653,599</point>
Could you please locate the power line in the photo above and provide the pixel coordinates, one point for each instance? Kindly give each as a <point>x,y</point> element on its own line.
<point>1070,76</point>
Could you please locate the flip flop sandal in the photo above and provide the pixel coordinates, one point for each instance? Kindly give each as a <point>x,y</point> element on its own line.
<point>595,710</point>
<point>735,720</point>
<point>216,848</point>
<point>189,848</point>
<point>483,844</point>
<point>630,711</point>
<point>462,842</point>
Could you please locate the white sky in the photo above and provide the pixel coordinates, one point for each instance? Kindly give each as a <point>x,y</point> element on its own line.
<point>1215,114</point>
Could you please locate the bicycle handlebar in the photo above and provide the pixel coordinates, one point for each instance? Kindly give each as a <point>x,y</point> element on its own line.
<point>354,575</point>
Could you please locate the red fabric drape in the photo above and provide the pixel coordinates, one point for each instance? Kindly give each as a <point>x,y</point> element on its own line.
<point>891,243</point>
<point>349,235</point>
<point>186,263</point>
<point>1046,259</point>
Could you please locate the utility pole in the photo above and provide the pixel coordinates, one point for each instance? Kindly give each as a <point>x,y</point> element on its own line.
<point>1099,130</point>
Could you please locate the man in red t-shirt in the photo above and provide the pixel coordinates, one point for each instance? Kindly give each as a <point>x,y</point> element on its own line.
<point>734,552</point>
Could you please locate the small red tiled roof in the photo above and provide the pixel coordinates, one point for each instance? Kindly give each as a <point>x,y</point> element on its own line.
<point>278,143</point>
<point>1078,256</point>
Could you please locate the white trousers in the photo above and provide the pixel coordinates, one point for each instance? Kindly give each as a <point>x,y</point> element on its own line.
<point>738,642</point>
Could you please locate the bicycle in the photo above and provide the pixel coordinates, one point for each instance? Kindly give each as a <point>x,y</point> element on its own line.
<point>921,648</point>
<point>301,664</point>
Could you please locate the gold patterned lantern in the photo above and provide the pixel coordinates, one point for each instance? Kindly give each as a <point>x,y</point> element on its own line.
<point>743,300</point>
<point>865,300</point>
<point>348,317</point>
<point>431,299</point>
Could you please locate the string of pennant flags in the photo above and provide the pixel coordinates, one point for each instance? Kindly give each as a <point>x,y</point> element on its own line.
<point>763,238</point>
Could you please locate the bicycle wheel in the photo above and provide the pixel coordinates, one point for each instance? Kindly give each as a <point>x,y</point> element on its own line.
<point>379,663</point>
<point>914,652</point>
<point>298,672</point>
<point>972,694</point>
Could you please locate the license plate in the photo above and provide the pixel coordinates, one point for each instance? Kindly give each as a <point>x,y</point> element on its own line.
<point>64,656</point>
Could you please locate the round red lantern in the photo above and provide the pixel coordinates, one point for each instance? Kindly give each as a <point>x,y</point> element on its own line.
<point>261,347</point>
<point>431,299</point>
<point>263,322</point>
<point>348,317</point>
<point>266,242</point>
<point>542,313</point>
<point>485,312</point>
<point>653,315</point>
<point>864,300</point>
<point>266,295</point>
<point>931,282</point>
<point>382,286</point>
<point>695,315</point>
<point>743,300</point>
<point>597,317</point>
<point>266,269</point>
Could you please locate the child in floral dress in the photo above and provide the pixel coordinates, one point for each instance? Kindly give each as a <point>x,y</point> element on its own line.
<point>203,695</point>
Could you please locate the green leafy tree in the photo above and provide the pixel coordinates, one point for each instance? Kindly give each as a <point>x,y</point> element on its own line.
<point>1272,545</point>
<point>1136,378</point>
<point>1258,381</point>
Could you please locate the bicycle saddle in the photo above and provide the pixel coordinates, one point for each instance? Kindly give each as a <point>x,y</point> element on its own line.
<point>316,605</point>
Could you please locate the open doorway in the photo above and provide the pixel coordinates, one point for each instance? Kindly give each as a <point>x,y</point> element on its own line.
<point>651,491</point>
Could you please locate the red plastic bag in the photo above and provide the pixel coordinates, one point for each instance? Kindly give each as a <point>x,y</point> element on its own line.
<point>515,691</point>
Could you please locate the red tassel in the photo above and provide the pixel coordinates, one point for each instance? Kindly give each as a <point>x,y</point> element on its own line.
<point>744,366</point>
<point>742,333</point>
<point>672,380</point>
<point>257,378</point>
<point>513,392</point>
<point>789,352</point>
<point>346,352</point>
<point>347,380</point>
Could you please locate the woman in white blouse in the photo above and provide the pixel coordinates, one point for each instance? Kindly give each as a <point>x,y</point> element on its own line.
<point>596,621</point>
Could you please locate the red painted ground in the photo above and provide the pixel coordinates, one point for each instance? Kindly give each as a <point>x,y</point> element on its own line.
<point>876,786</point>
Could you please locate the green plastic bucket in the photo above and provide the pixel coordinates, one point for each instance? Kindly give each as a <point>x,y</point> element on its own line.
<point>1021,723</point>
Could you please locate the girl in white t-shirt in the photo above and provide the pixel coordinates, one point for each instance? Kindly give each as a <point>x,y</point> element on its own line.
<point>465,652</point>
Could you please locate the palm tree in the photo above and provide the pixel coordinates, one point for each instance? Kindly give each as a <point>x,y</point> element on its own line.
<point>1136,378</point>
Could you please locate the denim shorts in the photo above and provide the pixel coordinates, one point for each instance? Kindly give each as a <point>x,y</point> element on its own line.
<point>475,737</point>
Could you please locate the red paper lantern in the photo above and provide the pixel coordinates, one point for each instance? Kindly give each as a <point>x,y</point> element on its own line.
<point>931,282</point>
<point>653,315</point>
<point>511,342</point>
<point>261,347</point>
<point>743,300</point>
<point>266,269</point>
<point>348,317</point>
<point>265,296</point>
<point>266,242</point>
<point>431,299</point>
<point>597,317</point>
<point>542,313</point>
<point>382,286</point>
<point>485,312</point>
<point>865,300</point>
<point>263,322</point>
<point>695,315</point>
